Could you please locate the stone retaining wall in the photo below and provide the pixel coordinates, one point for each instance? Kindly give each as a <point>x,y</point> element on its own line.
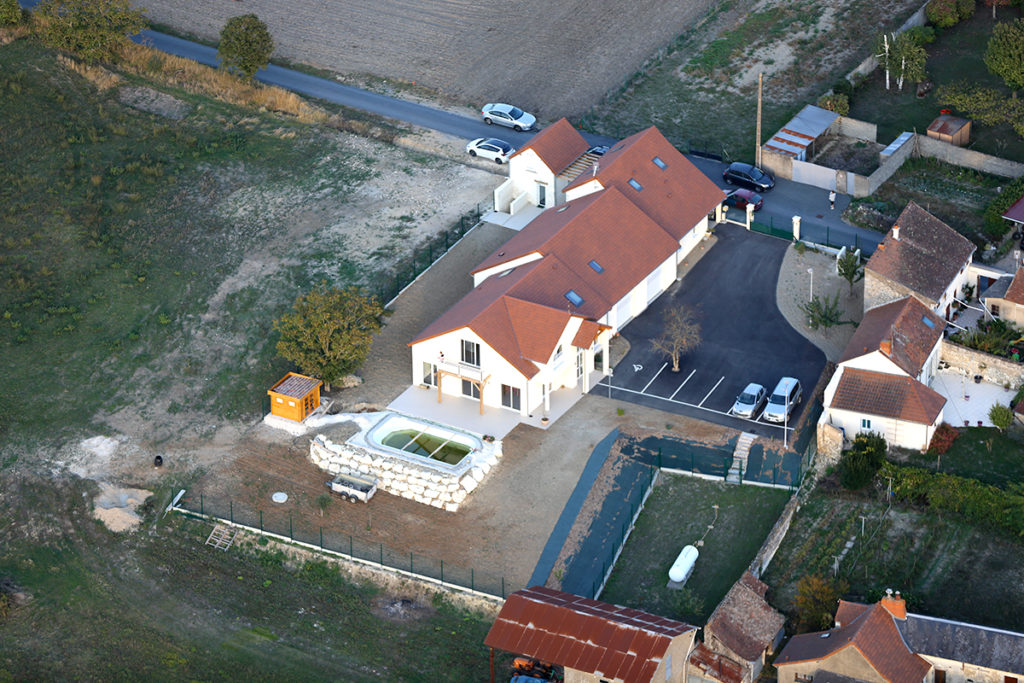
<point>421,484</point>
<point>995,369</point>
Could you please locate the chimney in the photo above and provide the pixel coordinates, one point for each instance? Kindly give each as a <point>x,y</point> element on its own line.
<point>896,232</point>
<point>894,604</point>
<point>885,346</point>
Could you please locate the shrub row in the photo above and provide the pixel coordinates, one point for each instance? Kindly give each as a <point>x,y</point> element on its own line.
<point>974,502</point>
<point>997,207</point>
<point>943,438</point>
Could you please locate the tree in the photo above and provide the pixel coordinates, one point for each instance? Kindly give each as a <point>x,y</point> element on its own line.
<point>10,12</point>
<point>680,333</point>
<point>95,30</point>
<point>837,102</point>
<point>859,465</point>
<point>1001,416</point>
<point>1005,54</point>
<point>942,13</point>
<point>824,312</point>
<point>850,268</point>
<point>245,45</point>
<point>816,600</point>
<point>965,8</point>
<point>328,333</point>
<point>909,60</point>
<point>996,3</point>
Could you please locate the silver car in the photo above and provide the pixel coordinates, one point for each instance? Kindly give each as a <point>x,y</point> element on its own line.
<point>507,115</point>
<point>749,403</point>
<point>494,149</point>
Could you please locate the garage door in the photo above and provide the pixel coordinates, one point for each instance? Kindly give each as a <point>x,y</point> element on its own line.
<point>622,313</point>
<point>654,284</point>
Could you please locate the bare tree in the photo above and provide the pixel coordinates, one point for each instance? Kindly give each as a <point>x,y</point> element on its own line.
<point>680,333</point>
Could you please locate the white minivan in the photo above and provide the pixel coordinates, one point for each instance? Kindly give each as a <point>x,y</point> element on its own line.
<point>786,396</point>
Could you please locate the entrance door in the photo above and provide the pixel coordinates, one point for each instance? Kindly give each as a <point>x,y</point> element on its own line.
<point>580,364</point>
<point>430,374</point>
<point>542,195</point>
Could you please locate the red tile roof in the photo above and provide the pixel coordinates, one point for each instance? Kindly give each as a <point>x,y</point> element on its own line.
<point>1016,212</point>
<point>675,197</point>
<point>874,634</point>
<point>885,395</point>
<point>715,667</point>
<point>1015,293</point>
<point>582,634</point>
<point>558,145</point>
<point>744,621</point>
<point>926,257</point>
<point>587,333</point>
<point>900,331</point>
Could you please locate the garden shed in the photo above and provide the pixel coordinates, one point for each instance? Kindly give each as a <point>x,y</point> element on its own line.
<point>951,129</point>
<point>295,396</point>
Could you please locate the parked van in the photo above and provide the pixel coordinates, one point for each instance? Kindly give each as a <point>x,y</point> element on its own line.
<point>786,396</point>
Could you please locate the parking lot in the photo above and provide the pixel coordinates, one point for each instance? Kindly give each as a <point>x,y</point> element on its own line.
<point>744,338</point>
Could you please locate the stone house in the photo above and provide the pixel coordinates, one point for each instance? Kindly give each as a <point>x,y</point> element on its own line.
<point>744,627</point>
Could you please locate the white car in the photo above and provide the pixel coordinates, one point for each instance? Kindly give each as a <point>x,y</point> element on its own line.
<point>507,115</point>
<point>749,403</point>
<point>494,149</point>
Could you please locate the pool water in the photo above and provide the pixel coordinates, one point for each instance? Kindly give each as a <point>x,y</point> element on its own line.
<point>427,445</point>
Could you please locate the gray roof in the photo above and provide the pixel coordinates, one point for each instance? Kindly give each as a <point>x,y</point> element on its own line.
<point>977,645</point>
<point>802,130</point>
<point>997,289</point>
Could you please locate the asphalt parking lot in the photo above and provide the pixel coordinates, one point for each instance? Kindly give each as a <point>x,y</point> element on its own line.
<point>745,338</point>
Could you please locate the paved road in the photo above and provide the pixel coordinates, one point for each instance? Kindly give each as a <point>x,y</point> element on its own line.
<point>752,343</point>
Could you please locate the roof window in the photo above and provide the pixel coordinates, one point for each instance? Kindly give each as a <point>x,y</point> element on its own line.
<point>635,185</point>
<point>505,272</point>
<point>574,298</point>
<point>659,163</point>
<point>598,268</point>
<point>928,321</point>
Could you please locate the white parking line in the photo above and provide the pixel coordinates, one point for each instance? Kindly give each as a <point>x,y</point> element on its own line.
<point>681,385</point>
<point>653,378</point>
<point>712,391</point>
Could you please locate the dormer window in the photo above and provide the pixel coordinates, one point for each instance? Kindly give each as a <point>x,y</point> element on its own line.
<point>597,267</point>
<point>659,163</point>
<point>635,185</point>
<point>574,298</point>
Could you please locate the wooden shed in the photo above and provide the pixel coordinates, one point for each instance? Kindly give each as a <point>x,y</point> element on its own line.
<point>295,396</point>
<point>951,129</point>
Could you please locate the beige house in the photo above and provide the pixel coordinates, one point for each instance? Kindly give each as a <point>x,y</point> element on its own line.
<point>1005,298</point>
<point>591,641</point>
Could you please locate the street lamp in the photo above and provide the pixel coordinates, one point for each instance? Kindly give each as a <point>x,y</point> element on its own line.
<point>810,296</point>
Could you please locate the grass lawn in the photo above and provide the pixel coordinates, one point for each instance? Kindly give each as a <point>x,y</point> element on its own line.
<point>678,513</point>
<point>944,568</point>
<point>958,54</point>
<point>982,453</point>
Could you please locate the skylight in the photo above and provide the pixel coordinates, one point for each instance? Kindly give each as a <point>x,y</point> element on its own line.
<point>928,321</point>
<point>598,268</point>
<point>659,163</point>
<point>635,185</point>
<point>574,298</point>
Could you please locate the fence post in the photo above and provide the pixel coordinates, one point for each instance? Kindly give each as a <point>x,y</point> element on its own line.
<point>503,588</point>
<point>291,532</point>
<point>321,538</point>
<point>725,466</point>
<point>201,504</point>
<point>691,462</point>
<point>351,556</point>
<point>472,582</point>
<point>261,521</point>
<point>659,458</point>
<point>231,508</point>
<point>382,554</point>
<point>410,562</point>
<point>442,572</point>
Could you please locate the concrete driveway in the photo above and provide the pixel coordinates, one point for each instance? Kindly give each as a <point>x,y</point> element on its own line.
<point>745,338</point>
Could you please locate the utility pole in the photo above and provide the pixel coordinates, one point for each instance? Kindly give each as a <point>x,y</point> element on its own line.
<point>757,148</point>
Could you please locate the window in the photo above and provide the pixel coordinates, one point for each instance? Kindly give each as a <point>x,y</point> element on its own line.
<point>470,389</point>
<point>470,353</point>
<point>803,678</point>
<point>574,298</point>
<point>635,185</point>
<point>659,163</point>
<point>995,310</point>
<point>596,266</point>
<point>928,321</point>
<point>510,396</point>
<point>429,374</point>
<point>940,676</point>
<point>865,424</point>
<point>558,352</point>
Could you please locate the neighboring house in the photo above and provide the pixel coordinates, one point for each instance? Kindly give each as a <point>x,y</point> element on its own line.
<point>547,302</point>
<point>592,641</point>
<point>921,257</point>
<point>1015,214</point>
<point>706,666</point>
<point>885,643</point>
<point>1004,298</point>
<point>744,627</point>
<point>881,382</point>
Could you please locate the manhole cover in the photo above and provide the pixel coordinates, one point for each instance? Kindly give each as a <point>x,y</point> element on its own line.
<point>279,497</point>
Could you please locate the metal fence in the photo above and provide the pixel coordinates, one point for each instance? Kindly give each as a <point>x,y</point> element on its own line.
<point>814,233</point>
<point>708,149</point>
<point>614,549</point>
<point>341,543</point>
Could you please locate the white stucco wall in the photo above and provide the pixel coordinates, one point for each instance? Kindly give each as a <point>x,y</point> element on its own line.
<point>874,361</point>
<point>526,170</point>
<point>583,190</point>
<point>895,432</point>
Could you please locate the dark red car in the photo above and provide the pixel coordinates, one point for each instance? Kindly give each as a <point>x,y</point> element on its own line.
<point>740,199</point>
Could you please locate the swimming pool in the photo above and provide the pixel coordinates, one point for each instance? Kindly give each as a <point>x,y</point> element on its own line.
<point>421,440</point>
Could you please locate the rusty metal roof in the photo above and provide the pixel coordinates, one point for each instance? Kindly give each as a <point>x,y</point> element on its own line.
<point>582,634</point>
<point>295,385</point>
<point>946,124</point>
<point>1016,212</point>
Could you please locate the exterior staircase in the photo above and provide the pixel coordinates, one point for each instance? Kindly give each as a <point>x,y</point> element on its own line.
<point>739,458</point>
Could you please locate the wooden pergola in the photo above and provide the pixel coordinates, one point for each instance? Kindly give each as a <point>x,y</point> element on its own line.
<point>478,383</point>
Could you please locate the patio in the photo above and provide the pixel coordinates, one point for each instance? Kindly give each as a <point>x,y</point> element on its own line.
<point>516,221</point>
<point>968,402</point>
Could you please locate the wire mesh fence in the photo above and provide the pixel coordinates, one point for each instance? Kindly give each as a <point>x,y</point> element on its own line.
<point>614,548</point>
<point>299,530</point>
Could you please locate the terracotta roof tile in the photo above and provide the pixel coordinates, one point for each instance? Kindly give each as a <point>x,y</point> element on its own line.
<point>557,145</point>
<point>885,395</point>
<point>587,333</point>
<point>1015,293</point>
<point>675,197</point>
<point>927,256</point>
<point>615,641</point>
<point>743,621</point>
<point>905,331</point>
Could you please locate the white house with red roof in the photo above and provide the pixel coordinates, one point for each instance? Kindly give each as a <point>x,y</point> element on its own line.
<point>547,302</point>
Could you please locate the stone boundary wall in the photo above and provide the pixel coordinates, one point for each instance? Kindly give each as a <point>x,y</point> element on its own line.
<point>925,146</point>
<point>871,63</point>
<point>830,445</point>
<point>888,167</point>
<point>775,537</point>
<point>855,128</point>
<point>995,369</point>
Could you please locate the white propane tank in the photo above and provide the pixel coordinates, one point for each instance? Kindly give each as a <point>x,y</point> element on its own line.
<point>683,566</point>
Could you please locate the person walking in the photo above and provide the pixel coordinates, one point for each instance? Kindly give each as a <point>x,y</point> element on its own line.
<point>832,199</point>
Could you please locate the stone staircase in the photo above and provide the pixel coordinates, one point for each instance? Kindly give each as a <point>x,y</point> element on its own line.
<point>739,458</point>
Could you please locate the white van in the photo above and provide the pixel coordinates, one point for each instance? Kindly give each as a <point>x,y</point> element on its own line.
<point>786,396</point>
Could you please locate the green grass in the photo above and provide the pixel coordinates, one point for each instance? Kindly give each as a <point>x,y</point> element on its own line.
<point>957,55</point>
<point>159,604</point>
<point>678,513</point>
<point>982,453</point>
<point>944,568</point>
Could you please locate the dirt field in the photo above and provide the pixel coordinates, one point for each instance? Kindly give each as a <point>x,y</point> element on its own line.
<point>555,59</point>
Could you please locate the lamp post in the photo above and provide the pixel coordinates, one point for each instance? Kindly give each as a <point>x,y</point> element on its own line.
<point>810,296</point>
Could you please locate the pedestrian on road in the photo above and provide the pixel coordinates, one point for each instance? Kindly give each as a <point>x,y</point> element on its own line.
<point>832,199</point>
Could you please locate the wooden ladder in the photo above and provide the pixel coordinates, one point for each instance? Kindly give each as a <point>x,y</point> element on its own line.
<point>222,537</point>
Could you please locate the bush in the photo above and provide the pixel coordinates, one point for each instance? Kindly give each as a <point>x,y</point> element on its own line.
<point>943,438</point>
<point>245,45</point>
<point>1001,416</point>
<point>10,12</point>
<point>838,103</point>
<point>994,220</point>
<point>942,13</point>
<point>991,336</point>
<point>860,464</point>
<point>843,87</point>
<point>921,35</point>
<point>965,8</point>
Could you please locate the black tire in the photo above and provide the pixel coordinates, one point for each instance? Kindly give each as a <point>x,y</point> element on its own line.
<point>518,128</point>
<point>472,152</point>
<point>487,120</point>
<point>497,160</point>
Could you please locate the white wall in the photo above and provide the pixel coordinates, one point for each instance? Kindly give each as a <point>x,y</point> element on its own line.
<point>895,432</point>
<point>526,170</point>
<point>583,190</point>
<point>873,360</point>
<point>501,268</point>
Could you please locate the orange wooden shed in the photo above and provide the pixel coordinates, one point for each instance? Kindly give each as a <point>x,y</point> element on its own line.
<point>295,396</point>
<point>951,129</point>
